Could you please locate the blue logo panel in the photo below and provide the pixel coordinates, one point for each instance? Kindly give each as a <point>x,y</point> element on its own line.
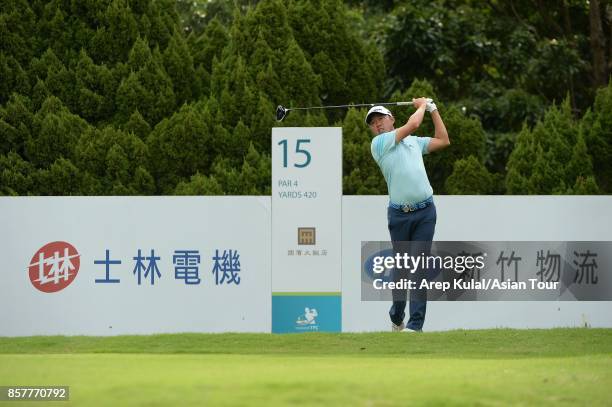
<point>306,313</point>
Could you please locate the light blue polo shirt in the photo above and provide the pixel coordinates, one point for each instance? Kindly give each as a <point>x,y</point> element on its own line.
<point>402,166</point>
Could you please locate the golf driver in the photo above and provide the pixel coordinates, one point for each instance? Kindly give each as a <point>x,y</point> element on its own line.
<point>282,112</point>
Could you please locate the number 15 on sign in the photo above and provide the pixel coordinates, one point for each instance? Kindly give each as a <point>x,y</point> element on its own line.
<point>301,151</point>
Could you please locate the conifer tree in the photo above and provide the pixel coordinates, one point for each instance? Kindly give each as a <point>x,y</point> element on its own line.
<point>182,145</point>
<point>17,30</point>
<point>55,132</point>
<point>550,158</point>
<point>199,185</point>
<point>467,139</point>
<point>178,63</point>
<point>148,87</point>
<point>469,177</point>
<point>114,160</point>
<point>16,121</point>
<point>114,38</point>
<point>14,78</point>
<point>597,126</point>
<point>361,174</point>
<point>62,177</point>
<point>95,90</point>
<point>209,44</point>
<point>519,163</point>
<point>138,125</point>
<point>16,175</point>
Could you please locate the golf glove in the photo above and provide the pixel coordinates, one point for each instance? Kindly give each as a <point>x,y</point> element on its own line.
<point>431,106</point>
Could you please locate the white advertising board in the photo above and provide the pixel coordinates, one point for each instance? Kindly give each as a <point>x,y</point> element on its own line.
<point>479,218</point>
<point>204,265</point>
<point>123,225</point>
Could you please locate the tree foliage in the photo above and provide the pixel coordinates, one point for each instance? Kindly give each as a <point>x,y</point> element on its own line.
<point>126,97</point>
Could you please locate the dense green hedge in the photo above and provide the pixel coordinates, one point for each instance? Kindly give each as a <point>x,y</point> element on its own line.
<point>135,97</point>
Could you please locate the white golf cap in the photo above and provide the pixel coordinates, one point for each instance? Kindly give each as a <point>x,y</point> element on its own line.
<point>377,109</point>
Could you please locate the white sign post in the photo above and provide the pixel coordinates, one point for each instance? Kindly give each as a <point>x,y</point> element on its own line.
<point>306,229</point>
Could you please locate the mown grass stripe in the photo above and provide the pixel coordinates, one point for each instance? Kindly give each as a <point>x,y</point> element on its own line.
<point>494,343</point>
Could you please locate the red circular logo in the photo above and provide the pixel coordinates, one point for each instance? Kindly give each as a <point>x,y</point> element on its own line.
<point>54,266</point>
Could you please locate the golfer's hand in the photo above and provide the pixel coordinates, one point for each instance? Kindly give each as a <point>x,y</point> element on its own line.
<point>420,102</point>
<point>431,106</point>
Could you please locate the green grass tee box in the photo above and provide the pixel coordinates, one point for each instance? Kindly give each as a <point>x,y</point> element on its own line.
<point>490,367</point>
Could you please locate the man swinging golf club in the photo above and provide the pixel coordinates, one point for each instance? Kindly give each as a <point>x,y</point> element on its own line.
<point>411,213</point>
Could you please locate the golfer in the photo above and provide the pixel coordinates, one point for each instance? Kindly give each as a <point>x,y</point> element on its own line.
<point>411,213</point>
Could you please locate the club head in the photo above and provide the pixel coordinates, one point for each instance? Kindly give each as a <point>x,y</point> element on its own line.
<point>281,112</point>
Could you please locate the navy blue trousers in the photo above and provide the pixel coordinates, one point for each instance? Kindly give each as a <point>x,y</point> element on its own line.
<point>412,233</point>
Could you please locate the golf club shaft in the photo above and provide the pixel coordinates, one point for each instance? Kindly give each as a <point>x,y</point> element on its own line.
<point>356,105</point>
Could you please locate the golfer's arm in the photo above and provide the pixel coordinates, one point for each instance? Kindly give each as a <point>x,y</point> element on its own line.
<point>440,139</point>
<point>411,125</point>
